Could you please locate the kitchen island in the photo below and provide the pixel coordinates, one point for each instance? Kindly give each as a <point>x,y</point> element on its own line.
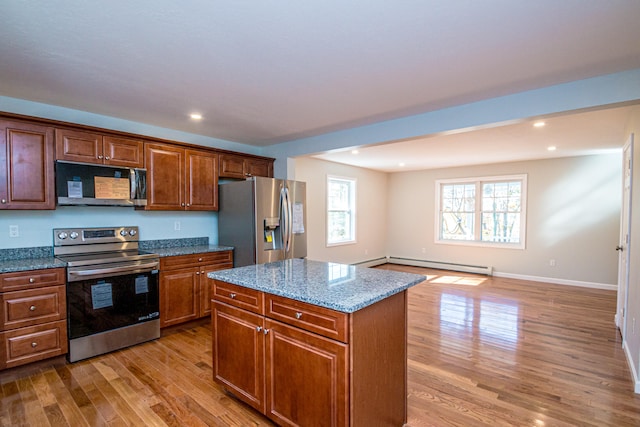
<point>313,343</point>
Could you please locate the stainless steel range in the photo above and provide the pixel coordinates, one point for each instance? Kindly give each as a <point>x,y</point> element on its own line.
<point>112,289</point>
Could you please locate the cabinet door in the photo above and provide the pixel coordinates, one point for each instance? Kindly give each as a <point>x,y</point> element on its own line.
<point>165,177</point>
<point>238,353</point>
<point>231,166</point>
<point>123,152</point>
<point>259,167</point>
<point>202,180</point>
<point>79,146</point>
<point>178,296</point>
<point>300,364</point>
<point>26,166</point>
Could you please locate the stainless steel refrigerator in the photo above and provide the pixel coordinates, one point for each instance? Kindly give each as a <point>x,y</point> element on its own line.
<point>264,219</point>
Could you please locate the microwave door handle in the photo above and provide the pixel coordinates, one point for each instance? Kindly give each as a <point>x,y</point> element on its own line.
<point>132,182</point>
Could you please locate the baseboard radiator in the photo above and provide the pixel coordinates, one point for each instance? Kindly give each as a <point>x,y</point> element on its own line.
<point>372,262</point>
<point>465,268</point>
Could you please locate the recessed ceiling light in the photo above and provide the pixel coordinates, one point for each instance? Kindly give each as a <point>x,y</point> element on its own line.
<point>551,148</point>
<point>354,151</point>
<point>401,165</point>
<point>195,116</point>
<point>539,124</point>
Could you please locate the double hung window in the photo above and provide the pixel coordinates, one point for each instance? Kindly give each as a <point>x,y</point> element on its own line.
<point>487,211</point>
<point>341,203</point>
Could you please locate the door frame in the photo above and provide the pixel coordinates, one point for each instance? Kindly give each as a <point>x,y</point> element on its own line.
<point>624,255</point>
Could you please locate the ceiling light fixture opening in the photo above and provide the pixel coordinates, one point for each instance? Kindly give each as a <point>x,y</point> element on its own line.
<point>539,124</point>
<point>195,116</point>
<point>354,151</point>
<point>551,148</point>
<point>401,164</point>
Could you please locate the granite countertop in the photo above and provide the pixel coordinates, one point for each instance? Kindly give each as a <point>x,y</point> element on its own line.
<point>41,257</point>
<point>340,287</point>
<point>10,266</point>
<point>188,250</point>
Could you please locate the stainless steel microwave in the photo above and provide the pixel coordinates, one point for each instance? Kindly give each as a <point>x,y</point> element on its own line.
<point>86,184</point>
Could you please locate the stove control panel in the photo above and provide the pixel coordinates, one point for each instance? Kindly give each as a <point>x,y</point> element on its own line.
<point>84,236</point>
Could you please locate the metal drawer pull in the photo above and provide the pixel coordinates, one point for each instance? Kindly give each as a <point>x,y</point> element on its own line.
<point>232,296</point>
<point>258,328</point>
<point>32,280</point>
<point>34,344</point>
<point>266,331</point>
<point>298,315</point>
<point>32,308</point>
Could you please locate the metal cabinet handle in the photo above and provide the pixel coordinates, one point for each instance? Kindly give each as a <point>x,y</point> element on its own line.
<point>100,156</point>
<point>298,315</point>
<point>4,201</point>
<point>199,259</point>
<point>232,296</point>
<point>107,157</point>
<point>258,328</point>
<point>32,308</point>
<point>266,331</point>
<point>197,273</point>
<point>34,344</point>
<point>32,280</point>
<point>181,204</point>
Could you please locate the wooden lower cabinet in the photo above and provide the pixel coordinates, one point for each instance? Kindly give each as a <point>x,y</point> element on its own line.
<point>185,289</point>
<point>291,371</point>
<point>33,313</point>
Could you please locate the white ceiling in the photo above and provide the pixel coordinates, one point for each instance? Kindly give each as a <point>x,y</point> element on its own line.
<point>264,72</point>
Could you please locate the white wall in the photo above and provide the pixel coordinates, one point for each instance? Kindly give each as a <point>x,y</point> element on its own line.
<point>36,227</point>
<point>371,212</point>
<point>573,217</point>
<point>632,339</point>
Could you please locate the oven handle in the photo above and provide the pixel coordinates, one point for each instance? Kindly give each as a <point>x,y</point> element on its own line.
<point>73,275</point>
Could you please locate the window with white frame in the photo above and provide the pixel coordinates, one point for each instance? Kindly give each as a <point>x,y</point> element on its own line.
<point>341,205</point>
<point>487,211</point>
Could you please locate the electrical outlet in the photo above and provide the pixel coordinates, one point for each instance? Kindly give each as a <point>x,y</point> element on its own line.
<point>176,225</point>
<point>14,231</point>
<point>552,263</point>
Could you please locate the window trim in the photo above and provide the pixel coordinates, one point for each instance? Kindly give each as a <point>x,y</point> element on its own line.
<point>354,203</point>
<point>478,211</point>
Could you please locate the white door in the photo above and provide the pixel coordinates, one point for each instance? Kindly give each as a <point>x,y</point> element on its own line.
<point>623,246</point>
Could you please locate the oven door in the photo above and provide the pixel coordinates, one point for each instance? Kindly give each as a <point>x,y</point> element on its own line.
<point>101,304</point>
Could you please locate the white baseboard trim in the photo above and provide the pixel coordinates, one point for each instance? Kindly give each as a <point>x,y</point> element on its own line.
<point>478,269</point>
<point>632,367</point>
<point>557,281</point>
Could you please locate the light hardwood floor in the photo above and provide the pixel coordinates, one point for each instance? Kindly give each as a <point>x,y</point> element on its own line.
<point>482,351</point>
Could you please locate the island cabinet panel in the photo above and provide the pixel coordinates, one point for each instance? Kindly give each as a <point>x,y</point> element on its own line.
<point>307,377</point>
<point>239,348</point>
<point>185,289</point>
<point>33,313</point>
<point>93,147</point>
<point>26,166</point>
<point>321,366</point>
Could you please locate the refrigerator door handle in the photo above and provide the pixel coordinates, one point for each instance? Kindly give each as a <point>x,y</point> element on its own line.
<point>285,205</point>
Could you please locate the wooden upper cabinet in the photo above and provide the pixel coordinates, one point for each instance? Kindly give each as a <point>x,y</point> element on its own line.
<point>89,147</point>
<point>237,166</point>
<point>26,166</point>
<point>202,180</point>
<point>165,177</point>
<point>181,179</point>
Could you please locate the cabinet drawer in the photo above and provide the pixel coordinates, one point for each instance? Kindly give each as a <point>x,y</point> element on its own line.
<point>323,321</point>
<point>26,345</point>
<point>33,306</point>
<point>238,296</point>
<point>181,261</point>
<point>31,279</point>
